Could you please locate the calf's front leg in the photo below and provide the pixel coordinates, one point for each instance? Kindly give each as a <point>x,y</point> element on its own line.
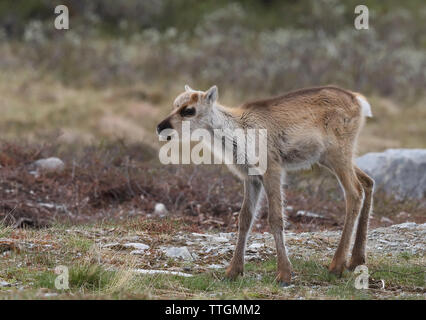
<point>252,191</point>
<point>272,185</point>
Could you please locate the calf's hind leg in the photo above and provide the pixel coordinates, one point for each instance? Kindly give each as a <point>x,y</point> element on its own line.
<point>353,190</point>
<point>358,251</point>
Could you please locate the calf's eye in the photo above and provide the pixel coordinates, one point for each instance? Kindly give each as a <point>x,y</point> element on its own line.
<point>187,112</point>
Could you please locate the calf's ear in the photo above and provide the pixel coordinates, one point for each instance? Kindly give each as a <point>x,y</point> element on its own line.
<point>188,88</point>
<point>211,95</point>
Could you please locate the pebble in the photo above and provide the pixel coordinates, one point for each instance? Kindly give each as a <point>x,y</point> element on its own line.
<point>178,252</point>
<point>49,165</point>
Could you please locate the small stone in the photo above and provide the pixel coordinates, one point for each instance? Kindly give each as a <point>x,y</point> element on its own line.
<point>385,220</point>
<point>178,252</point>
<point>308,214</point>
<point>222,238</point>
<point>160,210</point>
<point>256,245</point>
<point>219,239</point>
<point>285,285</point>
<point>49,165</point>
<point>175,273</point>
<point>403,215</point>
<point>50,294</point>
<point>406,225</point>
<point>5,284</point>
<point>138,252</point>
<point>137,246</point>
<point>227,235</point>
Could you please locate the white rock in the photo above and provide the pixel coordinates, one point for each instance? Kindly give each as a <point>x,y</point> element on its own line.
<point>399,172</point>
<point>224,250</point>
<point>219,239</point>
<point>308,214</point>
<point>138,252</point>
<point>290,287</point>
<point>175,273</point>
<point>178,252</point>
<point>227,235</point>
<point>50,294</point>
<point>160,209</point>
<point>111,245</point>
<point>386,220</point>
<point>256,245</point>
<point>137,246</point>
<point>406,225</point>
<point>222,238</point>
<point>49,165</point>
<point>5,284</point>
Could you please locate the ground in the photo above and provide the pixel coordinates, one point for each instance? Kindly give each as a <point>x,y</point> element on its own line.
<point>111,261</point>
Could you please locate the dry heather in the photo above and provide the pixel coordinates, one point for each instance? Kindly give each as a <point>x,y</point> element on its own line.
<point>118,181</point>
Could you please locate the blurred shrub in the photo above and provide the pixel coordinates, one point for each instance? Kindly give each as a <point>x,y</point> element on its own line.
<point>226,53</point>
<point>228,44</point>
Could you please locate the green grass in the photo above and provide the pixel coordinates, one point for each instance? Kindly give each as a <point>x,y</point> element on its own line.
<point>407,272</point>
<point>108,273</point>
<point>89,279</point>
<point>80,244</point>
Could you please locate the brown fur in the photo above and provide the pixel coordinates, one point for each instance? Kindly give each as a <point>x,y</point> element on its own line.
<point>314,125</point>
<point>307,126</point>
<point>194,98</point>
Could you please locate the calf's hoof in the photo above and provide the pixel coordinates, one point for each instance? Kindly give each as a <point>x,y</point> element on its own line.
<point>336,268</point>
<point>233,272</point>
<point>284,284</point>
<point>283,278</point>
<point>355,262</point>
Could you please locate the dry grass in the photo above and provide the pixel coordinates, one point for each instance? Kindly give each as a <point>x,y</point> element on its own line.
<point>394,126</point>
<point>39,108</point>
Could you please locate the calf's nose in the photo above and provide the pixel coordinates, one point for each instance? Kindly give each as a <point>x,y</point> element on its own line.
<point>165,124</point>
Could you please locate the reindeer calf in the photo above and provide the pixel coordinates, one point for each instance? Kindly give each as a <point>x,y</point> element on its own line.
<point>307,126</point>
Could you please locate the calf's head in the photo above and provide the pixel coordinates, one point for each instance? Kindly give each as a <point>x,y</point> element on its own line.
<point>191,105</point>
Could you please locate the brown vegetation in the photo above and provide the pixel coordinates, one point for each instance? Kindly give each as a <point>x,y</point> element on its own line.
<point>119,181</point>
